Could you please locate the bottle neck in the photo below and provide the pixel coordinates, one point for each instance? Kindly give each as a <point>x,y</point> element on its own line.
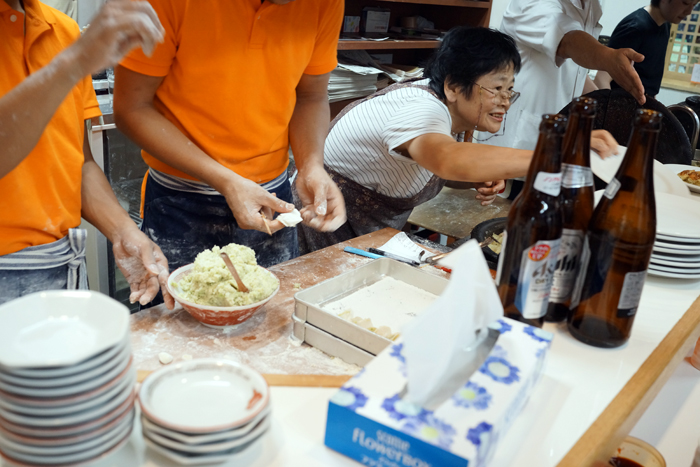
<point>545,160</point>
<point>638,164</point>
<point>576,147</point>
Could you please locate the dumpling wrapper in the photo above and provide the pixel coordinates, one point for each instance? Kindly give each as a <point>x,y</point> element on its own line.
<point>290,219</point>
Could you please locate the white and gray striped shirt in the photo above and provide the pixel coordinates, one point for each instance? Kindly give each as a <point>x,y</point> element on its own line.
<point>361,146</point>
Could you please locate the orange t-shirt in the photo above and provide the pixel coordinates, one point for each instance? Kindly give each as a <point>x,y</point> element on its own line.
<point>231,68</point>
<point>40,198</point>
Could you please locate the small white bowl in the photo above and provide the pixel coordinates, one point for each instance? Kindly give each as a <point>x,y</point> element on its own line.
<point>59,328</point>
<point>219,436</point>
<point>203,396</point>
<point>211,448</point>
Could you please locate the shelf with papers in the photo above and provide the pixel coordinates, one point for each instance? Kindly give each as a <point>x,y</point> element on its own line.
<point>388,44</point>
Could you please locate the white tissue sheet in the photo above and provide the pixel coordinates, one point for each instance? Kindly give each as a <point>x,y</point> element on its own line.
<point>290,219</point>
<point>440,343</point>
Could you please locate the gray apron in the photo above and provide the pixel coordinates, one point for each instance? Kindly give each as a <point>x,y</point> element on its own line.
<point>367,210</point>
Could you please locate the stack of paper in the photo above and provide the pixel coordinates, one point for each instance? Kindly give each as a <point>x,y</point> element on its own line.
<point>352,81</point>
<point>397,73</point>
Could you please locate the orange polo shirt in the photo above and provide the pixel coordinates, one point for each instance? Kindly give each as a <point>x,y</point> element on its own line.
<point>40,198</point>
<point>231,68</point>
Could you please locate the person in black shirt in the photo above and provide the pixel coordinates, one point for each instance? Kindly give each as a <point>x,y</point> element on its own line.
<point>647,31</point>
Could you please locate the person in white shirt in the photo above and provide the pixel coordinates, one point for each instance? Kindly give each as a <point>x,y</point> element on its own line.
<point>558,43</point>
<point>394,150</point>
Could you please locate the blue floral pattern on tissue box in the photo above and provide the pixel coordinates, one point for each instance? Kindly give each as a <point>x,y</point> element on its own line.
<point>431,429</point>
<point>349,397</point>
<point>472,396</point>
<point>468,424</point>
<point>539,334</point>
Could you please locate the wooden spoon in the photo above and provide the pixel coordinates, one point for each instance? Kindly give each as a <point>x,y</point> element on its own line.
<point>241,286</point>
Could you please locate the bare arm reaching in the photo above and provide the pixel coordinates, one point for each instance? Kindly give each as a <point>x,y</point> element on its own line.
<point>120,26</point>
<point>323,204</point>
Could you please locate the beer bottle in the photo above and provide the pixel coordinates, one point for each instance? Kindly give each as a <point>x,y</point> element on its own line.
<point>533,231</point>
<point>618,244</point>
<point>576,202</point>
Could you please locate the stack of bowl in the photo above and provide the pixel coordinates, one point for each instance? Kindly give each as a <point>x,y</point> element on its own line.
<point>66,378</point>
<point>204,411</point>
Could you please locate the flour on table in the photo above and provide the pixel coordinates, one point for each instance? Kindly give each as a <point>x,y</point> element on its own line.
<point>383,307</point>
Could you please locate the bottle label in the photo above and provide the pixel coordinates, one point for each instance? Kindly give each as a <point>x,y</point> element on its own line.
<point>535,281</point>
<point>631,294</point>
<point>578,286</point>
<point>612,188</point>
<point>575,176</point>
<point>549,183</point>
<point>500,257</point>
<point>567,267</point>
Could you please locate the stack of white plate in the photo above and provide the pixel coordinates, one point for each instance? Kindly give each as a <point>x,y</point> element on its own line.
<point>204,411</point>
<point>677,248</point>
<point>66,378</point>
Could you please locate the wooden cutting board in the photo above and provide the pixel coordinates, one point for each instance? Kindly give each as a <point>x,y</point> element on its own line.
<point>309,381</point>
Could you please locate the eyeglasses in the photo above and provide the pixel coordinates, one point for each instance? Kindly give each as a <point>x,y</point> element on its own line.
<point>505,96</point>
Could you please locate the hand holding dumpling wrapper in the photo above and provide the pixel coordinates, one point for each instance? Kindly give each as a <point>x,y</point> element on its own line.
<point>441,344</point>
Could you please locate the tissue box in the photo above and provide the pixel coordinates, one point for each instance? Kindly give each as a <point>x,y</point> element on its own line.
<point>370,422</point>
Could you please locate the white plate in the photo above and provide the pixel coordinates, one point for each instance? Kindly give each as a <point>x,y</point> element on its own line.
<point>678,168</point>
<point>69,448</point>
<point>678,240</point>
<point>65,391</point>
<point>71,458</point>
<point>55,402</point>
<point>67,380</point>
<point>665,181</point>
<point>210,448</point>
<point>686,248</point>
<point>59,327</point>
<point>203,396</point>
<point>129,379</point>
<point>674,251</point>
<point>194,459</point>
<point>674,269</point>
<point>677,216</point>
<point>693,259</point>
<point>64,371</point>
<point>79,438</point>
<point>69,431</point>
<point>208,438</point>
<point>71,419</point>
<point>656,272</point>
<point>666,261</point>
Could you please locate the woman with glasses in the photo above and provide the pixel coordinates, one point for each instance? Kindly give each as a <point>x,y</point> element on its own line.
<point>394,150</point>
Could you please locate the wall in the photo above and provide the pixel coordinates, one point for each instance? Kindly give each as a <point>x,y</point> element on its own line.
<point>613,12</point>
<point>86,10</point>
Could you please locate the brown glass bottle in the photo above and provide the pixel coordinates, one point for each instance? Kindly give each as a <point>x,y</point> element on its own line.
<point>533,231</point>
<point>576,204</point>
<point>618,244</point>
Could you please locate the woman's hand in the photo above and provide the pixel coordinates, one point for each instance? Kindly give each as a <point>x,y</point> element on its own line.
<point>603,143</point>
<point>143,264</point>
<point>487,191</point>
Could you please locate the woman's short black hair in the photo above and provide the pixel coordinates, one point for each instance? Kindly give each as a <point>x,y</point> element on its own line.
<point>655,3</point>
<point>466,54</point>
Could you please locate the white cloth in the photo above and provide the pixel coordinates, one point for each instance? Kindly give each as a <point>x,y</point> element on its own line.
<point>547,83</point>
<point>361,146</point>
<point>69,7</point>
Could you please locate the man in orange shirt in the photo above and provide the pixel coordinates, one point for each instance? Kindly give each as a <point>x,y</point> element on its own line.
<point>216,108</point>
<point>47,175</point>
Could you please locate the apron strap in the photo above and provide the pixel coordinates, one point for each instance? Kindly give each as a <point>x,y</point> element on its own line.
<point>70,251</point>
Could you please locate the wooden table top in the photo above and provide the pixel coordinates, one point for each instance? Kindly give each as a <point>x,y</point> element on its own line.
<point>456,212</point>
<point>263,341</point>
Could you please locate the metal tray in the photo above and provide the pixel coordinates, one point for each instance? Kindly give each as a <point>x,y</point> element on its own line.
<point>310,319</point>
